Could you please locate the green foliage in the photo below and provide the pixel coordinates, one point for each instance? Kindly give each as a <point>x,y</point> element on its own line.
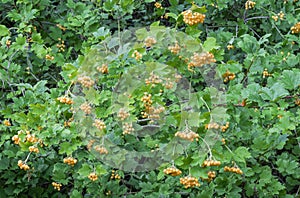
<point>46,46</point>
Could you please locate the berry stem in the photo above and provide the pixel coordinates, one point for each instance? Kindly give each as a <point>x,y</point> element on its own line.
<point>209,150</point>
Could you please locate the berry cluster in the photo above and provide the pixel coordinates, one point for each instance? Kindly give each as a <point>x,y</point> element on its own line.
<point>249,5</point>
<point>90,144</point>
<point>6,123</point>
<point>34,149</point>
<point>173,171</point>
<point>103,69</point>
<point>225,127</point>
<point>23,166</point>
<point>123,114</point>
<point>168,84</point>
<point>99,124</point>
<point>146,99</point>
<point>212,125</point>
<point>8,43</point>
<point>31,137</point>
<point>280,15</point>
<point>223,141</point>
<point>233,170</point>
<point>191,18</point>
<point>189,182</point>
<point>187,135</point>
<point>201,59</point>
<point>101,149</point>
<point>86,81</point>
<point>153,113</point>
<point>266,74</point>
<point>65,100</point>
<point>68,123</point>
<point>16,139</point>
<point>149,41</point>
<point>86,108</point>
<point>228,76</point>
<point>296,28</point>
<point>230,47</point>
<point>93,176</point>
<point>61,47</point>
<point>158,5</point>
<point>127,128</point>
<point>115,175</point>
<point>175,49</point>
<point>56,186</point>
<point>177,78</point>
<point>61,27</point>
<point>70,161</point>
<point>136,55</point>
<point>153,79</point>
<point>297,101</point>
<point>211,175</point>
<point>209,162</point>
<point>49,57</point>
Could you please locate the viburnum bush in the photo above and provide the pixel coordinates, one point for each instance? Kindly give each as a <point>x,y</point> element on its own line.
<point>149,98</point>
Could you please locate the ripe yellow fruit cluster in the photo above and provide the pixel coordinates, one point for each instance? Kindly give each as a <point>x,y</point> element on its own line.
<point>56,186</point>
<point>23,166</point>
<point>93,176</point>
<point>115,175</point>
<point>86,108</point>
<point>8,43</point>
<point>153,79</point>
<point>34,149</point>
<point>6,123</point>
<point>297,101</point>
<point>192,18</point>
<point>61,27</point>
<point>223,141</point>
<point>68,123</point>
<point>99,124</point>
<point>101,149</point>
<point>49,57</point>
<point>127,128</point>
<point>123,114</point>
<point>178,77</point>
<point>249,5</point>
<point>233,170</point>
<point>90,144</point>
<point>16,139</point>
<point>189,182</point>
<point>173,171</point>
<point>175,49</point>
<point>31,137</point>
<point>86,81</point>
<point>65,100</point>
<point>61,47</point>
<point>168,84</point>
<point>211,175</point>
<point>228,76</point>
<point>158,5</point>
<point>146,99</point>
<point>103,69</point>
<point>70,161</point>
<point>187,135</point>
<point>224,128</point>
<point>136,55</point>
<point>230,47</point>
<point>149,41</point>
<point>209,162</point>
<point>296,28</point>
<point>153,113</point>
<point>212,125</point>
<point>201,59</point>
<point>266,73</point>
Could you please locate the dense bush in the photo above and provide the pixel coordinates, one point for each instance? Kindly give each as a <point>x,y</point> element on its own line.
<point>149,99</point>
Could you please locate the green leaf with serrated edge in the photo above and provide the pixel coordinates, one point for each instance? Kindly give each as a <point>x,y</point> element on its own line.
<point>210,44</point>
<point>240,154</point>
<point>84,170</point>
<point>3,30</point>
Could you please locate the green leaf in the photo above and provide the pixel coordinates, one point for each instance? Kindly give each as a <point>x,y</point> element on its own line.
<point>85,170</point>
<point>241,153</point>
<point>209,44</point>
<point>291,79</point>
<point>3,30</point>
<point>275,92</point>
<point>66,147</point>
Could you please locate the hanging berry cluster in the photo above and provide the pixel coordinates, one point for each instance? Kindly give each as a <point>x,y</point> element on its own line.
<point>228,76</point>
<point>296,28</point>
<point>192,18</point>
<point>6,123</point>
<point>23,165</point>
<point>103,69</point>
<point>56,186</point>
<point>187,135</point>
<point>93,176</point>
<point>210,162</point>
<point>153,79</point>
<point>211,175</point>
<point>233,170</point>
<point>249,5</point>
<point>149,41</point>
<point>189,182</point>
<point>99,124</point>
<point>33,149</point>
<point>65,100</point>
<point>115,175</point>
<point>173,171</point>
<point>136,55</point>
<point>201,59</point>
<point>127,128</point>
<point>175,49</point>
<point>86,81</point>
<point>266,74</point>
<point>123,114</point>
<point>101,149</point>
<point>70,161</point>
<point>86,108</point>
